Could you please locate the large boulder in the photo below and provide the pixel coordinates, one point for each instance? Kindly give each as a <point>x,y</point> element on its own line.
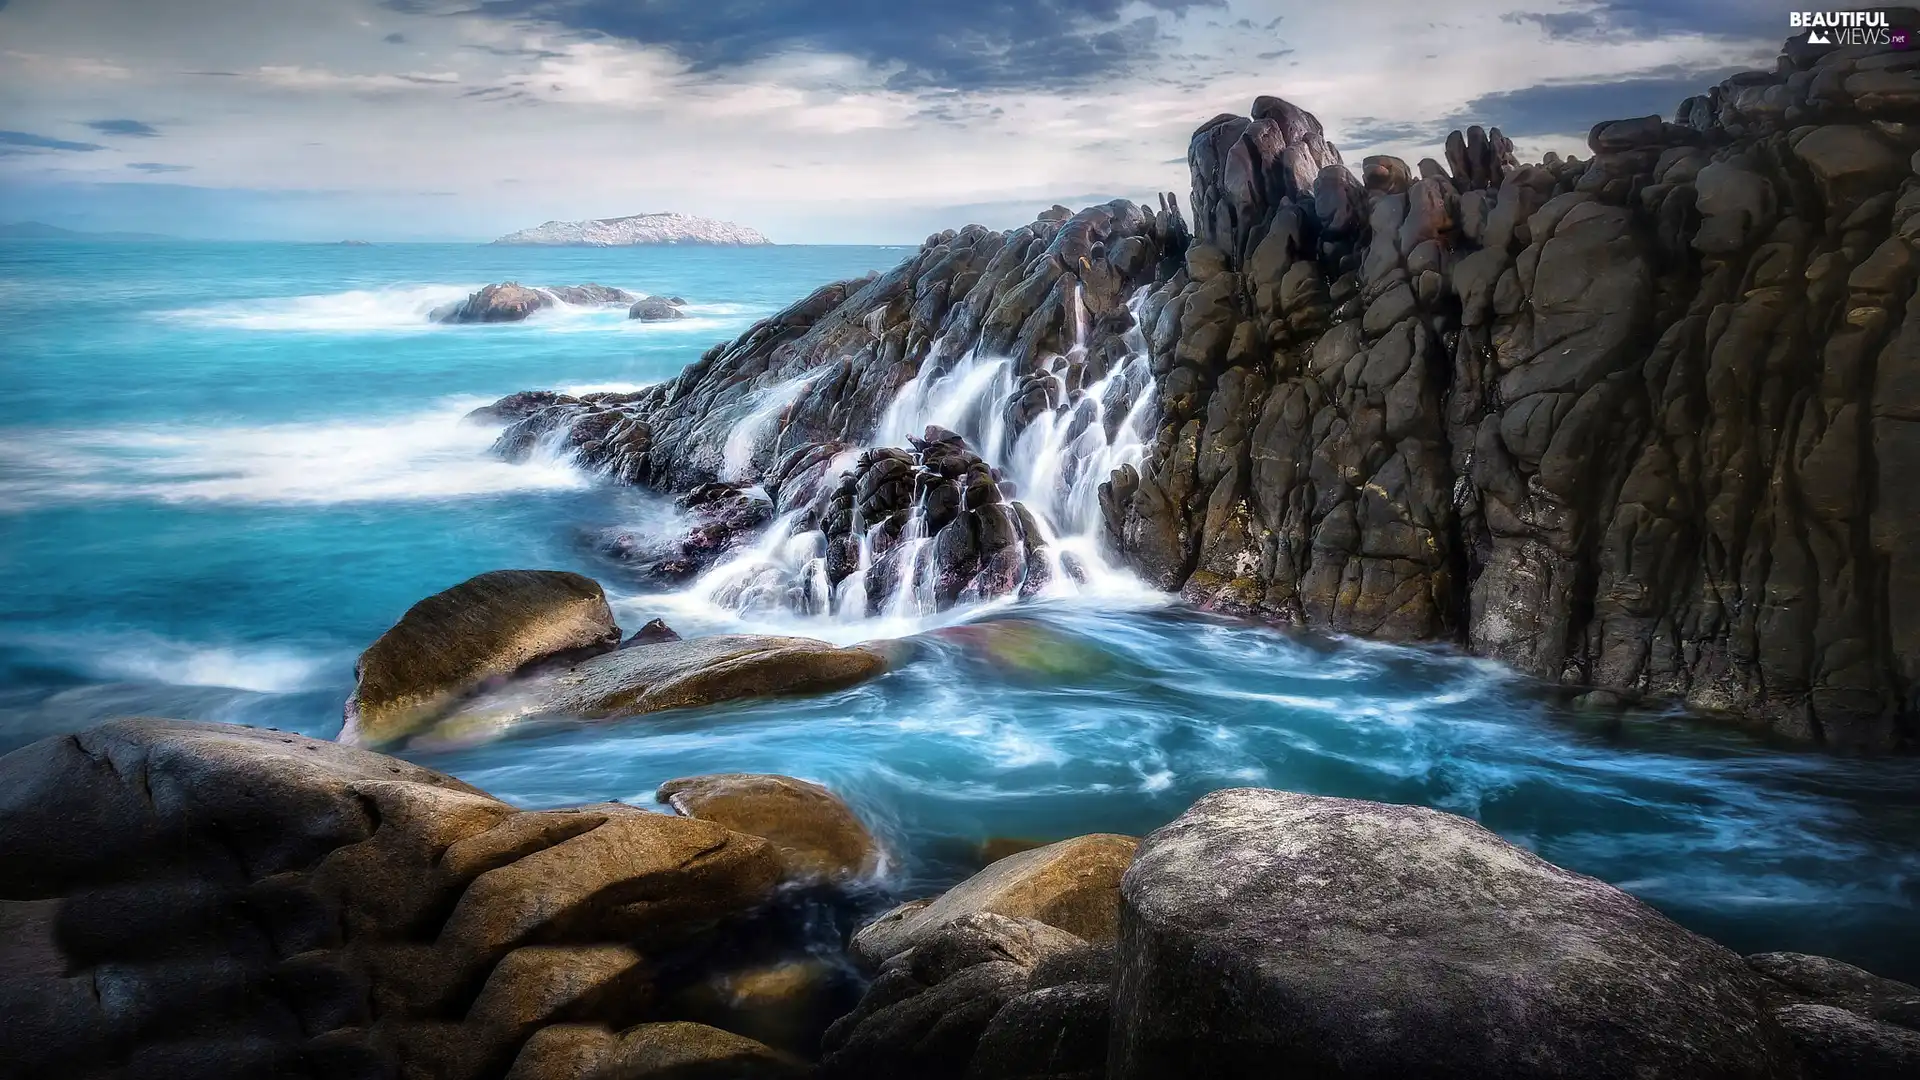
<point>205,900</point>
<point>818,836</point>
<point>1835,1044</point>
<point>506,302</point>
<point>454,642</point>
<point>1073,885</point>
<point>1271,933</point>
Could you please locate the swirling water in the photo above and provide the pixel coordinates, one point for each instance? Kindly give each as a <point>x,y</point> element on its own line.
<point>226,468</point>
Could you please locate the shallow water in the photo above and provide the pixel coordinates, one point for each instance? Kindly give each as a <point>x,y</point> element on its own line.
<point>226,468</point>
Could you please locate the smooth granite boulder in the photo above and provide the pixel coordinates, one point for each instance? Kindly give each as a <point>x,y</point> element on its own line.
<point>205,900</point>
<point>656,309</point>
<point>1270,933</point>
<point>590,295</point>
<point>818,835</point>
<point>455,642</point>
<point>1072,885</point>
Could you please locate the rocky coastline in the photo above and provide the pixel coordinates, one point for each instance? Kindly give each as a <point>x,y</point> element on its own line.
<point>1637,423</point>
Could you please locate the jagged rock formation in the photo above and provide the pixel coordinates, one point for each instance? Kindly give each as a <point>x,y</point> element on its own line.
<point>1638,422</point>
<point>1641,422</point>
<point>662,228</point>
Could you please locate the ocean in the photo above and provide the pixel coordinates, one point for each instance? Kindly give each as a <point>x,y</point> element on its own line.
<point>227,468</point>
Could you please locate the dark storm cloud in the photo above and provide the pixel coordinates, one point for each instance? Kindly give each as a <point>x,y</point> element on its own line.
<point>1009,44</point>
<point>1610,20</point>
<point>157,167</point>
<point>395,39</point>
<point>1565,108</point>
<point>28,141</point>
<point>1369,130</point>
<point>124,127</point>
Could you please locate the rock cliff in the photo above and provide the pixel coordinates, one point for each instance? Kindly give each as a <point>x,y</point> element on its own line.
<point>1638,422</point>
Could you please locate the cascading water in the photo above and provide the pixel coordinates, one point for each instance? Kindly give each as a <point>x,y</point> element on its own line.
<point>1053,463</point>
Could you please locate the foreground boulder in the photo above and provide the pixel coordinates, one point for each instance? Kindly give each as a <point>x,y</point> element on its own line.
<point>1073,885</point>
<point>1268,933</point>
<point>818,836</point>
<point>983,997</point>
<point>202,900</point>
<point>454,642</point>
<point>506,302</point>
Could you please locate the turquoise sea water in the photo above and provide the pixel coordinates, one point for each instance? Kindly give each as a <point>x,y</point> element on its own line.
<point>226,468</point>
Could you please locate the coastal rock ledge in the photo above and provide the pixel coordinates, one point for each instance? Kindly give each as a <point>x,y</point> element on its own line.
<point>1644,422</point>
<point>207,901</point>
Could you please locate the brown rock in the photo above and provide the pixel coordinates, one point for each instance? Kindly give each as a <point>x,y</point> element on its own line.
<point>487,627</point>
<point>816,833</point>
<point>684,1051</point>
<point>1073,885</point>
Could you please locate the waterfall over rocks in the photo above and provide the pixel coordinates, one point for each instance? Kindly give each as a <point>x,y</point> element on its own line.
<point>1638,422</point>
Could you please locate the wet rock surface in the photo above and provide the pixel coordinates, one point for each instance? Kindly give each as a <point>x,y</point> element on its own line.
<point>656,309</point>
<point>481,631</point>
<point>818,835</point>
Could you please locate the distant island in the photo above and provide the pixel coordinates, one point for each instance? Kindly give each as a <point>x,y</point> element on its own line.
<point>38,230</point>
<point>638,229</point>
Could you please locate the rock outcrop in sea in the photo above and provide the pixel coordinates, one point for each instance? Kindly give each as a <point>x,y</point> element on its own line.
<point>205,900</point>
<point>637,229</point>
<point>1641,422</point>
<point>510,301</point>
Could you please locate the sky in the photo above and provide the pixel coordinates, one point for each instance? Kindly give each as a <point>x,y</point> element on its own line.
<point>814,121</point>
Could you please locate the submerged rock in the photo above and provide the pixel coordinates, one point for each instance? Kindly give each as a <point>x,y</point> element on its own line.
<point>159,874</point>
<point>818,835</point>
<point>722,516</point>
<point>665,674</point>
<point>455,642</point>
<point>657,309</point>
<point>1073,885</point>
<point>1259,925</point>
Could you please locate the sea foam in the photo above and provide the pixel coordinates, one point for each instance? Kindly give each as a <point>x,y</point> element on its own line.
<point>428,455</point>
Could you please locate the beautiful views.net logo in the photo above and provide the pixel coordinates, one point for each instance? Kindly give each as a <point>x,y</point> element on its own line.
<point>1848,28</point>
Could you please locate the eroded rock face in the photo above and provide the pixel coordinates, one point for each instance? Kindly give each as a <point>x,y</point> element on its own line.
<point>1073,885</point>
<point>1637,422</point>
<point>818,836</point>
<point>454,642</point>
<point>1258,926</point>
<point>186,899</point>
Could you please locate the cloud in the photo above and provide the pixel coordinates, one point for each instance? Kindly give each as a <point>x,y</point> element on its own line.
<point>1556,108</point>
<point>1617,20</point>
<point>133,128</point>
<point>157,167</point>
<point>395,39</point>
<point>29,141</point>
<point>1004,45</point>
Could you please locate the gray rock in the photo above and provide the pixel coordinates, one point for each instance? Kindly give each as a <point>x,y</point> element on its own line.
<point>655,309</point>
<point>1262,931</point>
<point>1835,1044</point>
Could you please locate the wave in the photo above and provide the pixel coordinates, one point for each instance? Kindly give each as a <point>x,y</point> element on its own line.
<point>141,657</point>
<point>398,307</point>
<point>429,455</point>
